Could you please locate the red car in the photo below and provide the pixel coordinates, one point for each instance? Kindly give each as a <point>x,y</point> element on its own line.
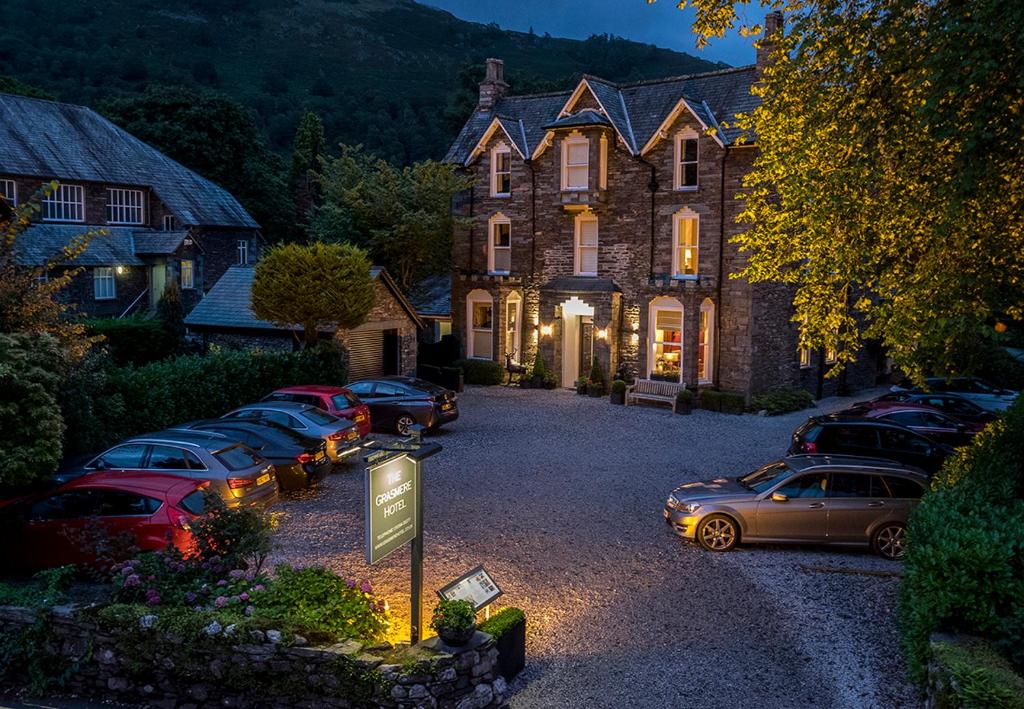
<point>334,400</point>
<point>926,420</point>
<point>41,531</point>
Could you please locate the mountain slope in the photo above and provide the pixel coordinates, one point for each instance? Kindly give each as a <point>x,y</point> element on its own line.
<point>379,72</point>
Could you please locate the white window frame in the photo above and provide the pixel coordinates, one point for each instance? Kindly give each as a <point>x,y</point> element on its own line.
<point>514,305</point>
<point>572,139</point>
<point>707,327</point>
<point>679,154</point>
<point>497,151</point>
<point>169,223</point>
<point>685,214</point>
<point>243,252</point>
<point>9,191</point>
<point>805,352</point>
<point>478,297</point>
<point>578,247</point>
<point>125,206</point>
<point>665,304</point>
<point>831,354</point>
<point>188,274</point>
<point>602,176</point>
<point>104,283</point>
<point>492,248</point>
<point>64,204</point>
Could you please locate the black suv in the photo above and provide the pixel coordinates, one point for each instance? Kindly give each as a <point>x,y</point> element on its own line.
<point>836,434</point>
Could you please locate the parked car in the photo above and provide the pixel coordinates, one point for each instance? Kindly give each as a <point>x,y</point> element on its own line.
<point>236,472</point>
<point>396,403</point>
<point>42,531</point>
<point>299,461</point>
<point>838,434</point>
<point>974,389</point>
<point>807,498</point>
<point>334,400</point>
<point>923,419</point>
<point>341,436</point>
<point>950,404</point>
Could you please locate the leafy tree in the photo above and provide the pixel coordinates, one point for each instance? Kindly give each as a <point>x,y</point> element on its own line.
<point>316,287</point>
<point>889,183</point>
<point>402,216</point>
<point>307,150</point>
<point>10,85</point>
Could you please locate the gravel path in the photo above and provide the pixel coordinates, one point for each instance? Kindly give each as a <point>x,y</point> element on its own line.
<point>560,497</point>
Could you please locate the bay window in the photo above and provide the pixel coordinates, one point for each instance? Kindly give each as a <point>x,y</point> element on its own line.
<point>575,163</point>
<point>706,343</point>
<point>665,356</point>
<point>479,325</point>
<point>499,250</point>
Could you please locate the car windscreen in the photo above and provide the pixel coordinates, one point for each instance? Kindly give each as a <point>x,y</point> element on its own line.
<point>763,478</point>
<point>319,416</point>
<point>238,458</point>
<point>424,385</point>
<point>194,502</point>
<point>346,400</point>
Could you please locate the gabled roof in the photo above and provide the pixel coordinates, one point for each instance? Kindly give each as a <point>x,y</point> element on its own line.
<point>62,141</point>
<point>586,117</point>
<point>636,110</point>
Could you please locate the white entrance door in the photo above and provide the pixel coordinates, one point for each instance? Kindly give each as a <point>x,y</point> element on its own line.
<point>157,283</point>
<point>573,311</point>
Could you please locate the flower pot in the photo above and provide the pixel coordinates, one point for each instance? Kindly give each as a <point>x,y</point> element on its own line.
<point>581,389</point>
<point>618,397</point>
<point>457,638</point>
<point>511,647</point>
<point>684,408</point>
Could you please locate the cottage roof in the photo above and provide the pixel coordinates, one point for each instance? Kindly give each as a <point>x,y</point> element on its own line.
<point>636,110</point>
<point>47,139</point>
<point>158,243</point>
<point>586,117</point>
<point>432,297</point>
<point>43,243</point>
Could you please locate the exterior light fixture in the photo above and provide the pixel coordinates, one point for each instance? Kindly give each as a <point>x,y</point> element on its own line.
<point>603,333</point>
<point>545,330</point>
<point>119,269</point>
<point>636,326</point>
<point>635,338</point>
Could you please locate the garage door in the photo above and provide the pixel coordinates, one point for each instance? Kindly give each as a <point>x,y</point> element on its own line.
<point>365,354</point>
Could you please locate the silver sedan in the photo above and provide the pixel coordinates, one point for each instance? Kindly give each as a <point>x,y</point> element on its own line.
<point>340,435</point>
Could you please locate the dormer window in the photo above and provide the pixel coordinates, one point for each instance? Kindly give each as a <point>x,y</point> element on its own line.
<point>65,204</point>
<point>686,160</point>
<point>501,171</point>
<point>169,222</point>
<point>575,163</point>
<point>499,252</point>
<point>9,192</point>
<point>124,206</point>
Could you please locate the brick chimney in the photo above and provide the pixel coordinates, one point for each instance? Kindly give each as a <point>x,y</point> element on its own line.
<point>772,24</point>
<point>493,87</point>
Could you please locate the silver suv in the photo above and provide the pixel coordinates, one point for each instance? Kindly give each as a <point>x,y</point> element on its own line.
<point>802,498</point>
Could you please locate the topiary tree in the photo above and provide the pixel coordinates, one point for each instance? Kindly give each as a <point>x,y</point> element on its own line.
<point>315,287</point>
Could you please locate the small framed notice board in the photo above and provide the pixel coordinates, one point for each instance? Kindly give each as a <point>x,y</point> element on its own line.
<point>476,586</point>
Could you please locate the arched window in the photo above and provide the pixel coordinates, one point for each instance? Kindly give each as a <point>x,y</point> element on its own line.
<point>514,326</point>
<point>685,243</point>
<point>706,343</point>
<point>586,244</point>
<point>479,325</point>
<point>499,245</point>
<point>665,340</point>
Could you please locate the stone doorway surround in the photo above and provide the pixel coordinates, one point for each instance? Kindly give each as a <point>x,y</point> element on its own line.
<point>575,316</point>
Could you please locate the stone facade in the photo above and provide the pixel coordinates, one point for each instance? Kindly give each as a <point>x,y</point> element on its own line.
<point>142,665</point>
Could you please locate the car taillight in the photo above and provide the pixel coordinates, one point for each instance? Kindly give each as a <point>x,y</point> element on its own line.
<point>304,458</point>
<point>336,436</point>
<point>808,447</point>
<point>236,483</point>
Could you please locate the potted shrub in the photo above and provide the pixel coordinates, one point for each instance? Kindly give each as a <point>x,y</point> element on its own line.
<point>454,621</point>
<point>508,626</point>
<point>684,402</point>
<point>538,374</point>
<point>618,395</point>
<point>597,384</point>
<point>581,385</point>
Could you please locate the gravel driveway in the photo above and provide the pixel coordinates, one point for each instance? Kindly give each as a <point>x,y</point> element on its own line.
<point>560,496</point>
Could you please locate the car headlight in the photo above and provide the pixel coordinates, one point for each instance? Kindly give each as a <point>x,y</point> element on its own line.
<point>688,507</point>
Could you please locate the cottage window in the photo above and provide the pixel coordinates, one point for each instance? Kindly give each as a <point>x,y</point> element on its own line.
<point>686,243</point>
<point>686,160</point>
<point>501,171</point>
<point>169,223</point>
<point>103,285</point>
<point>831,355</point>
<point>65,204</point>
<point>243,252</point>
<point>188,274</point>
<point>480,323</point>
<point>575,163</point>
<point>499,253</point>
<point>9,191</point>
<point>706,343</point>
<point>665,357</point>
<point>586,244</point>
<point>124,206</point>
<point>513,327</point>
<point>805,357</point>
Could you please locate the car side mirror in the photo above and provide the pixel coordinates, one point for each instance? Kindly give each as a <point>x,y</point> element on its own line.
<point>779,497</point>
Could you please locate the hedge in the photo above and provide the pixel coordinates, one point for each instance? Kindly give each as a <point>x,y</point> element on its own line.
<point>134,340</point>
<point>728,402</point>
<point>973,675</point>
<point>963,571</point>
<point>782,400</point>
<point>481,371</point>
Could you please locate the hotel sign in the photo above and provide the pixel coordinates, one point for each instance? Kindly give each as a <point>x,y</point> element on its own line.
<point>392,505</point>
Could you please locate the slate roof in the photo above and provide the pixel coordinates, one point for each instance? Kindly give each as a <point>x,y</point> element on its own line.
<point>158,243</point>
<point>43,242</point>
<point>586,117</point>
<point>48,139</point>
<point>433,297</point>
<point>636,110</point>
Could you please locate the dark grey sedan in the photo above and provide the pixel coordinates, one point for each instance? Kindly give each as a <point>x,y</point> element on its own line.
<point>396,403</point>
<point>340,435</point>
<point>804,498</point>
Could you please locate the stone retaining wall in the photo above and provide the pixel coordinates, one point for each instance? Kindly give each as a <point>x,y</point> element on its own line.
<point>158,669</point>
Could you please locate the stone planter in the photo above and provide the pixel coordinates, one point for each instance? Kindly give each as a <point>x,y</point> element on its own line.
<point>581,389</point>
<point>511,647</point>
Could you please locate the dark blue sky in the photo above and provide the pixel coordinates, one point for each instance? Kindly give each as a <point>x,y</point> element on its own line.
<point>661,23</point>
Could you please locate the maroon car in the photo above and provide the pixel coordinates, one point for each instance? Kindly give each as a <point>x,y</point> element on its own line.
<point>926,420</point>
<point>41,531</point>
<point>334,400</point>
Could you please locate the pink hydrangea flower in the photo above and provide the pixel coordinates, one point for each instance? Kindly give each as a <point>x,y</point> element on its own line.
<point>221,601</point>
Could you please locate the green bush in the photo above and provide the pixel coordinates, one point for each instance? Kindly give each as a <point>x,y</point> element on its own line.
<point>728,402</point>
<point>597,382</point>
<point>618,387</point>
<point>135,340</point>
<point>684,397</point>
<point>782,400</point>
<point>963,571</point>
<point>481,371</point>
<point>980,677</point>
<point>502,621</point>
<point>453,615</point>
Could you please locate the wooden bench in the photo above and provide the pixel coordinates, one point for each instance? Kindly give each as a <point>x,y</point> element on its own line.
<point>653,390</point>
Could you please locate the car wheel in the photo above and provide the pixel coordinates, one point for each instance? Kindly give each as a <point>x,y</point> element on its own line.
<point>403,423</point>
<point>890,541</point>
<point>718,533</point>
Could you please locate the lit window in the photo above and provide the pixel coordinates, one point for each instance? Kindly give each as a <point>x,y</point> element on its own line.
<point>124,206</point>
<point>805,352</point>
<point>169,223</point>
<point>686,243</point>
<point>65,204</point>
<point>831,355</point>
<point>586,245</point>
<point>666,338</point>
<point>501,171</point>
<point>513,313</point>
<point>9,191</point>
<point>479,343</point>
<point>188,277</point>
<point>686,160</point>
<point>103,286</point>
<point>243,252</point>
<point>575,163</point>
<point>706,343</point>
<point>499,255</point>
